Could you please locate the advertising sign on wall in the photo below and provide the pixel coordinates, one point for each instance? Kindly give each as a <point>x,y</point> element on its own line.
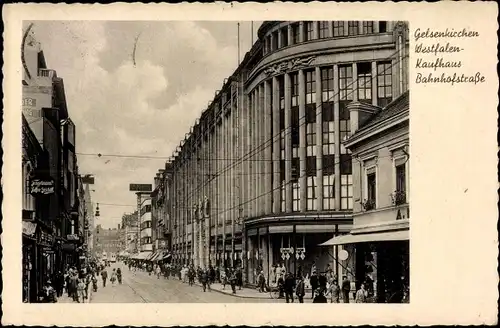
<point>42,186</point>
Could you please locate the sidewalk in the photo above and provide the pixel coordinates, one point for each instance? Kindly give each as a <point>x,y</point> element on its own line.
<point>66,299</point>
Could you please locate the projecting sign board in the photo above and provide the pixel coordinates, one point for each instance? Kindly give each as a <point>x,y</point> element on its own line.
<point>140,187</point>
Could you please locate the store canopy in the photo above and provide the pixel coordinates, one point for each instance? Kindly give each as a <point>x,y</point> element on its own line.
<point>143,255</point>
<point>153,256</point>
<point>163,256</point>
<point>368,237</point>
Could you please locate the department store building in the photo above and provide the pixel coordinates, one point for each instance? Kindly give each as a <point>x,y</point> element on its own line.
<point>263,178</point>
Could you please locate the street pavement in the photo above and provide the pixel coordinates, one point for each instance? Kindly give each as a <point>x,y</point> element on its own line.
<point>140,287</point>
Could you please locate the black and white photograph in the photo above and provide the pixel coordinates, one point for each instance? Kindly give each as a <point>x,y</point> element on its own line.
<point>215,162</point>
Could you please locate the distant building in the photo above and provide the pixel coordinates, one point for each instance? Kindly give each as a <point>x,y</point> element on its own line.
<point>107,240</point>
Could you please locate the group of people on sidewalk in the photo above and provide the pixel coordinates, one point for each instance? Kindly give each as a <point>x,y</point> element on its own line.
<point>324,286</point>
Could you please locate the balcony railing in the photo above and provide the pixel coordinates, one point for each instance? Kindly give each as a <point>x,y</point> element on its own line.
<point>369,204</point>
<point>398,197</point>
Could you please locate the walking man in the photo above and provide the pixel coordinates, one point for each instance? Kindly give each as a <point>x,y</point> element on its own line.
<point>289,286</point>
<point>346,289</point>
<point>301,290</point>
<point>104,276</point>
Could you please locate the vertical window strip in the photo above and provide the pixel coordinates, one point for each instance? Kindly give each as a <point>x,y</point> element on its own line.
<point>327,84</point>
<point>311,194</point>
<point>324,29</point>
<point>329,192</point>
<point>364,82</point>
<point>338,28</point>
<point>345,82</point>
<point>384,83</point>
<point>310,87</point>
<point>295,196</point>
<point>328,138</point>
<point>311,139</point>
<point>345,129</point>
<point>346,192</point>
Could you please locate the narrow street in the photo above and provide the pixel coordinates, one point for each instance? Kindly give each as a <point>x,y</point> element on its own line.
<point>140,287</point>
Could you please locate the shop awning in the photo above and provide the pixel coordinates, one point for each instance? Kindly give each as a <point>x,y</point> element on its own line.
<point>368,237</point>
<point>154,256</point>
<point>143,255</point>
<point>163,256</point>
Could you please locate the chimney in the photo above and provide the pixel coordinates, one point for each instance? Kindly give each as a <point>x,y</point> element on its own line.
<point>359,113</point>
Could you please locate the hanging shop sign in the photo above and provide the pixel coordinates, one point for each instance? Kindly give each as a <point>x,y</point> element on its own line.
<point>343,255</point>
<point>45,239</point>
<point>29,228</point>
<point>73,237</point>
<point>42,186</point>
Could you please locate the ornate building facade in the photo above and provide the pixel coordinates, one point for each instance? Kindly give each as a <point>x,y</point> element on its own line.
<point>263,178</point>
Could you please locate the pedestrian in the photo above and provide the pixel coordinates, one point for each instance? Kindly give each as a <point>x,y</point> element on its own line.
<point>113,277</point>
<point>232,281</point>
<point>346,289</point>
<point>261,282</point>
<point>88,279</point>
<point>314,283</point>
<point>104,276</point>
<point>300,290</point>
<point>239,278</point>
<point>289,287</point>
<point>67,280</point>
<point>94,283</point>
<point>320,296</point>
<point>158,271</point>
<point>119,275</point>
<point>74,285</point>
<point>211,274</point>
<point>334,291</point>
<point>223,278</point>
<point>81,290</point>
<point>59,283</point>
<point>49,293</point>
<point>204,280</point>
<point>361,294</point>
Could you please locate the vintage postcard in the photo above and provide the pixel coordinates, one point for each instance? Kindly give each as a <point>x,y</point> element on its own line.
<point>239,163</point>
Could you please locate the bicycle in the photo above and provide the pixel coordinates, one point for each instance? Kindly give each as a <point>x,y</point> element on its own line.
<point>274,291</point>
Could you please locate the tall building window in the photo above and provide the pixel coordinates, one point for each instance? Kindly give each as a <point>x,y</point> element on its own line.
<point>353,28</point>
<point>282,144</point>
<point>346,191</point>
<point>295,196</point>
<point>275,40</point>
<point>345,129</point>
<point>328,138</point>
<point>365,82</point>
<point>294,78</point>
<point>400,184</point>
<point>295,33</point>
<point>311,194</point>
<point>309,30</point>
<point>338,28</point>
<point>269,44</point>
<point>327,84</point>
<point>284,37</point>
<point>329,192</point>
<point>367,27</point>
<point>345,82</point>
<point>310,87</point>
<point>371,191</point>
<point>281,87</point>
<point>324,30</point>
<point>283,196</point>
<point>382,27</point>
<point>384,83</point>
<point>311,139</point>
<point>283,184</point>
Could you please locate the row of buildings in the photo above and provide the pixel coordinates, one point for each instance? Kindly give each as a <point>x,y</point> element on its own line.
<point>57,210</point>
<point>300,159</point>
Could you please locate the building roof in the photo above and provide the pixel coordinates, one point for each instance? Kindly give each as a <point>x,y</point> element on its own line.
<point>397,106</point>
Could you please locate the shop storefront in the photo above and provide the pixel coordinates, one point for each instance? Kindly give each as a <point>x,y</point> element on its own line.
<point>381,263</point>
<point>29,262</point>
<point>295,247</point>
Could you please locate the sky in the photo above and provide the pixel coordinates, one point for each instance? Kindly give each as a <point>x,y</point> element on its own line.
<point>143,109</point>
